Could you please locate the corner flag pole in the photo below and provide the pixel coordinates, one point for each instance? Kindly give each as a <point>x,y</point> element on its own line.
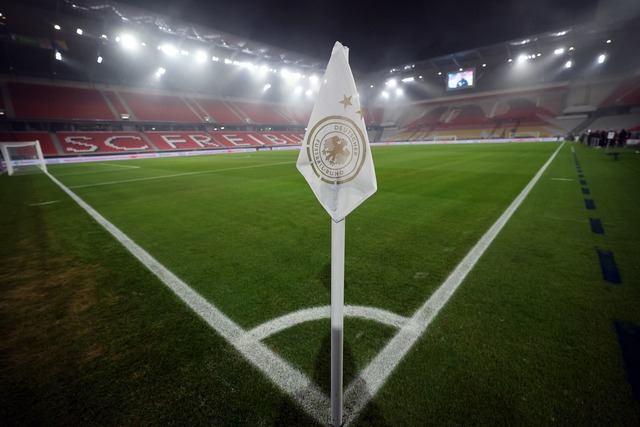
<point>337,318</point>
<point>335,160</point>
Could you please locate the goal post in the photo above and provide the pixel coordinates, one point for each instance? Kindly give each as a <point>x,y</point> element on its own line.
<point>23,156</point>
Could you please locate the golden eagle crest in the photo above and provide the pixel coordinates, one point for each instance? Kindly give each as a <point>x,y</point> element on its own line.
<point>335,150</point>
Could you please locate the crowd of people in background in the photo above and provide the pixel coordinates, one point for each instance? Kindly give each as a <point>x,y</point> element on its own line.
<point>605,138</point>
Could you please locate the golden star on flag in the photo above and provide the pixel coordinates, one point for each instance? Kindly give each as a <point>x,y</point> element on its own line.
<point>361,113</point>
<point>346,101</point>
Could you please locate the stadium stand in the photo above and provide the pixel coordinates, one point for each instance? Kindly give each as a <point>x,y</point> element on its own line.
<point>38,101</point>
<point>128,110</point>
<point>153,107</point>
<point>46,142</point>
<point>219,111</point>
<point>260,113</point>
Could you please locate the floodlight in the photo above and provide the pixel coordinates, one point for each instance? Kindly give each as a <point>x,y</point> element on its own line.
<point>407,79</point>
<point>559,51</point>
<point>79,31</point>
<point>168,49</point>
<point>58,56</point>
<point>184,52</point>
<point>399,92</point>
<point>160,72</point>
<point>201,56</point>
<point>522,58</point>
<point>103,37</point>
<point>385,94</point>
<point>484,65</point>
<point>568,64</point>
<point>298,90</point>
<point>309,93</point>
<point>127,41</point>
<point>608,41</point>
<point>56,27</point>
<point>266,87</point>
<point>392,82</point>
<point>99,60</point>
<point>601,58</point>
<point>439,73</point>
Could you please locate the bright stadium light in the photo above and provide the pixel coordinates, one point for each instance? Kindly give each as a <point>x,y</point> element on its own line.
<point>266,87</point>
<point>399,92</point>
<point>298,90</point>
<point>608,41</point>
<point>58,56</point>
<point>127,41</point>
<point>160,72</point>
<point>601,58</point>
<point>56,27</point>
<point>168,49</point>
<point>559,51</point>
<point>392,83</point>
<point>385,94</point>
<point>568,64</point>
<point>201,56</point>
<point>99,60</point>
<point>79,31</point>
<point>408,79</point>
<point>522,58</point>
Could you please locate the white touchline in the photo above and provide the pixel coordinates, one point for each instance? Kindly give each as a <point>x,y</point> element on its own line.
<point>120,166</point>
<point>125,181</point>
<point>289,379</point>
<point>373,377</point>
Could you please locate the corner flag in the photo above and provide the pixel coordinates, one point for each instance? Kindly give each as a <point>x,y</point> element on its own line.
<point>335,158</point>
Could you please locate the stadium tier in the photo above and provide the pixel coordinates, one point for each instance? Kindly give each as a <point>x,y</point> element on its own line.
<point>50,102</point>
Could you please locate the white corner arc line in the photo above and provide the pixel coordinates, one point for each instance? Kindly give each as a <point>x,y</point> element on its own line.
<point>289,320</point>
<point>373,377</point>
<point>289,379</point>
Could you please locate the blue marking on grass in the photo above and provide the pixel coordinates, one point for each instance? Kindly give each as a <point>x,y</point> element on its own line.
<point>610,271</point>
<point>585,190</point>
<point>629,340</point>
<point>583,182</point>
<point>580,175</point>
<point>596,226</point>
<point>590,204</point>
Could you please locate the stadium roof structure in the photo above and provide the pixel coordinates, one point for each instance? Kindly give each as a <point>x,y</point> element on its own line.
<point>109,42</point>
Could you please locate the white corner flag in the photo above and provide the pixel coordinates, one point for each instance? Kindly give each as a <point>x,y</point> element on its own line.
<point>335,159</point>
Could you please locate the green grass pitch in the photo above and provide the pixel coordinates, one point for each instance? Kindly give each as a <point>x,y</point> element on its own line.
<point>90,337</point>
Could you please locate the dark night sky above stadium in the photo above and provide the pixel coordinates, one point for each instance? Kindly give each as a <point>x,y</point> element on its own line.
<point>379,33</point>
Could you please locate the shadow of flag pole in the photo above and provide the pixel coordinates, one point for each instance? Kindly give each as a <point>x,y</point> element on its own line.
<point>335,160</point>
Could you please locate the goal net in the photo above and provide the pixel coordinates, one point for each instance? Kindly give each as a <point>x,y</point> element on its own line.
<point>22,157</point>
<point>444,138</point>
